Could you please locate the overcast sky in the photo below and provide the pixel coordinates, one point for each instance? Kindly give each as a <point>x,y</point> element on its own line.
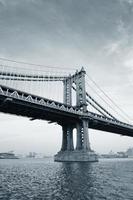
<point>96,34</point>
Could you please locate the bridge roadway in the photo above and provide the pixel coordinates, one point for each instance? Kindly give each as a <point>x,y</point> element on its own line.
<point>35,107</point>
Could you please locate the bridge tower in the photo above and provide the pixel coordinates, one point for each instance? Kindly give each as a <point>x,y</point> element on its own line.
<point>82,152</point>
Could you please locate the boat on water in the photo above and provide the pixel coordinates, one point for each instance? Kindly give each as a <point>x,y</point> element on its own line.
<point>8,155</point>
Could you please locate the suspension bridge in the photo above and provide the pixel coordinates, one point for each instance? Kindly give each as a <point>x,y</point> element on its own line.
<point>74,108</point>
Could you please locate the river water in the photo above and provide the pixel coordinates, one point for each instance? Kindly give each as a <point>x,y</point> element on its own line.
<point>44,179</point>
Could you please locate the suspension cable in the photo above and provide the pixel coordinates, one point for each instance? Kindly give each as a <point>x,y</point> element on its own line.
<point>100,106</point>
<point>107,103</point>
<point>39,65</point>
<point>108,96</point>
<point>96,108</point>
<point>97,104</point>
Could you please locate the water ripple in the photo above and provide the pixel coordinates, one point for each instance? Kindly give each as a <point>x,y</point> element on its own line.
<point>43,179</point>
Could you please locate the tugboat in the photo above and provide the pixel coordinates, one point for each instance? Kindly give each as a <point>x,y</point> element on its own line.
<point>8,155</point>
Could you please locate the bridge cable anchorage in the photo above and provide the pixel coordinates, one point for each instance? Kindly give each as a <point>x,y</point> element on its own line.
<point>114,103</point>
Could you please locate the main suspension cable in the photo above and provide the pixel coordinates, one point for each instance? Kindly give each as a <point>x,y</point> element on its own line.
<point>107,103</point>
<point>39,65</point>
<point>114,103</point>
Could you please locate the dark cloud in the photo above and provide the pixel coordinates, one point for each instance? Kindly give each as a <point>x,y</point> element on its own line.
<point>84,25</point>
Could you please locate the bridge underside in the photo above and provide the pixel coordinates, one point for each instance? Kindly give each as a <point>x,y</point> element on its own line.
<point>35,111</point>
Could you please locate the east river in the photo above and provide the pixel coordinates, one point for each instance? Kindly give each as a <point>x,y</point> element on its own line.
<point>44,179</point>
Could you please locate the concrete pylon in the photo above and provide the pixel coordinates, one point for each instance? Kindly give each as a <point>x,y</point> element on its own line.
<point>70,146</point>
<point>67,138</point>
<point>82,152</point>
<point>83,136</point>
<point>79,137</point>
<point>64,138</point>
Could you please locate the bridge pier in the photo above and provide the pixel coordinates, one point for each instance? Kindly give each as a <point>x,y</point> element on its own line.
<point>70,146</point>
<point>82,136</point>
<point>67,138</point>
<point>64,138</point>
<point>82,152</point>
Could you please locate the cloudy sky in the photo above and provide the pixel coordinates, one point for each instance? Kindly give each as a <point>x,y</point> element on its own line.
<point>96,34</point>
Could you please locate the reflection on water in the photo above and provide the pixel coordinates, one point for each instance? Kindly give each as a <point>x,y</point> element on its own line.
<point>44,179</point>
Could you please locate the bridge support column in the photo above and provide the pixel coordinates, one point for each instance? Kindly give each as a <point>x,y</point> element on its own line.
<point>64,138</point>
<point>79,137</point>
<point>86,144</point>
<point>67,138</point>
<point>70,146</point>
<point>82,136</point>
<point>82,152</point>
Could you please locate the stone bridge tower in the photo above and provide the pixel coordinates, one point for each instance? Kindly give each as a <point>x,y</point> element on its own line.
<point>82,152</point>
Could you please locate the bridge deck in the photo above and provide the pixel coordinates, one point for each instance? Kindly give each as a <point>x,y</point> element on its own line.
<point>35,107</point>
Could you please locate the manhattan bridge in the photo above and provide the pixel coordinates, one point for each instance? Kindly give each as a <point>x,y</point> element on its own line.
<point>75,108</point>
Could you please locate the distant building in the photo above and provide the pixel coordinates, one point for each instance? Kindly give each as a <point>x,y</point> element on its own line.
<point>130,152</point>
<point>122,154</point>
<point>31,155</point>
<point>111,154</point>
